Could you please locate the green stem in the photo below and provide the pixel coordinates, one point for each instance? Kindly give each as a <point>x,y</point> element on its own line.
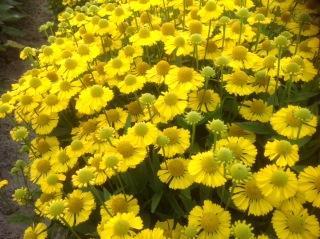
<point>208,37</point>
<point>70,228</point>
<point>184,15</point>
<point>223,35</point>
<point>93,190</point>
<point>196,56</point>
<point>229,198</point>
<point>241,26</point>
<point>258,37</point>
<point>278,68</point>
<point>150,114</point>
<point>192,138</point>
<point>298,39</point>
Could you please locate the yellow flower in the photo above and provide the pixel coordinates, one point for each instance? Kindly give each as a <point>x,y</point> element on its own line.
<point>52,183</point>
<point>72,67</point>
<point>210,11</point>
<point>242,149</point>
<point>117,66</point>
<point>121,226</point>
<point>277,183</point>
<point>248,196</point>
<point>38,231</point>
<point>203,100</point>
<point>309,183</point>
<point>40,167</point>
<point>65,89</point>
<point>205,169</point>
<point>79,206</point>
<point>171,104</point>
<point>159,72</point>
<point>294,122</point>
<point>145,37</point>
<point>295,224</point>
<point>44,123</point>
<point>178,44</point>
<point>175,173</point>
<point>55,209</point>
<point>239,83</point>
<point>156,233</point>
<point>184,79</point>
<point>93,99</point>
<point>84,177</point>
<point>131,83</point>
<point>116,117</point>
<point>179,141</point>
<point>3,183</point>
<point>282,152</point>
<point>211,220</point>
<point>256,110</point>
<point>143,134</point>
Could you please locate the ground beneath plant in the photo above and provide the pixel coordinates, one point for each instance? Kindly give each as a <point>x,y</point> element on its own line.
<point>11,68</point>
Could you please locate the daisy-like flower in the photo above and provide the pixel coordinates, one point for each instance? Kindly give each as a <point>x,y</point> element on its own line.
<point>241,58</point>
<point>239,83</point>
<point>282,152</point>
<point>179,141</point>
<point>52,104</point>
<point>117,66</point>
<point>203,100</point>
<point>38,231</point>
<point>62,161</point>
<point>256,110</point>
<point>210,11</point>
<point>276,182</point>
<point>248,196</point>
<point>44,123</point>
<point>72,67</point>
<point>121,226</point>
<point>40,167</point>
<point>294,122</point>
<point>119,203</point>
<point>242,149</point>
<point>131,83</point>
<point>79,206</point>
<point>116,117</point>
<point>309,182</point>
<point>145,37</point>
<point>171,104</point>
<point>178,44</point>
<point>184,79</point>
<point>65,89</point>
<point>132,154</point>
<point>237,131</point>
<point>52,183</point>
<point>143,134</point>
<point>205,169</point>
<point>159,72</point>
<point>93,99</point>
<point>84,177</point>
<point>55,209</point>
<point>175,173</point>
<point>297,223</point>
<point>210,220</point>
<point>297,69</point>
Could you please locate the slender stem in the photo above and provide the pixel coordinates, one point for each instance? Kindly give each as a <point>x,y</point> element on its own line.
<point>192,138</point>
<point>150,114</point>
<point>223,35</point>
<point>241,26</point>
<point>258,37</point>
<point>184,15</point>
<point>208,37</point>
<point>93,190</point>
<point>229,198</point>
<point>70,228</point>
<point>298,39</point>
<point>278,68</point>
<point>196,56</point>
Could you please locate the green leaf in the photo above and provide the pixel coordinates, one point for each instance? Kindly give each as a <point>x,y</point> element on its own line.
<point>256,127</point>
<point>298,168</point>
<point>156,198</point>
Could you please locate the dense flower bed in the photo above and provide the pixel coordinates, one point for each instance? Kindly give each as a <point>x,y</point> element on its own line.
<point>156,119</point>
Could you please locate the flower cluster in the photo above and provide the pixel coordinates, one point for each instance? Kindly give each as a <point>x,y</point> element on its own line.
<point>172,119</point>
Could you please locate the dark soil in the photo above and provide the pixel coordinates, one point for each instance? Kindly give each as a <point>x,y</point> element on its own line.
<point>11,68</point>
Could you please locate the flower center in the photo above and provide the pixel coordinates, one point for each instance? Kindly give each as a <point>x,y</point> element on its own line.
<point>257,107</point>
<point>239,78</point>
<point>76,145</point>
<point>141,129</point>
<point>163,68</point>
<point>65,86</point>
<point>113,115</point>
<point>52,179</point>
<point>116,63</point>
<point>96,91</point>
<point>88,38</point>
<point>171,99</point>
<point>111,161</point>
<point>119,11</point>
<point>173,135</point>
<point>212,47</point>
<point>85,175</point>
<point>70,64</point>
<point>52,100</point>
<point>35,83</point>
<point>176,168</point>
<point>283,147</point>
<point>130,79</point>
<point>83,50</point>
<point>121,227</point>
<point>135,108</point>
<point>239,53</point>
<point>210,222</point>
<point>125,149</point>
<point>179,41</point>
<point>26,100</point>
<point>168,29</point>
<point>317,183</point>
<point>43,166</point>
<point>56,209</point>
<point>43,146</point>
<point>195,27</point>
<point>43,120</point>
<point>279,178</point>
<point>209,165</point>
<point>63,157</point>
<point>253,191</point>
<point>295,224</point>
<point>129,50</point>
<point>119,205</point>
<point>75,205</point>
<point>210,6</point>
<point>185,74</point>
<point>292,120</point>
<point>144,33</point>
